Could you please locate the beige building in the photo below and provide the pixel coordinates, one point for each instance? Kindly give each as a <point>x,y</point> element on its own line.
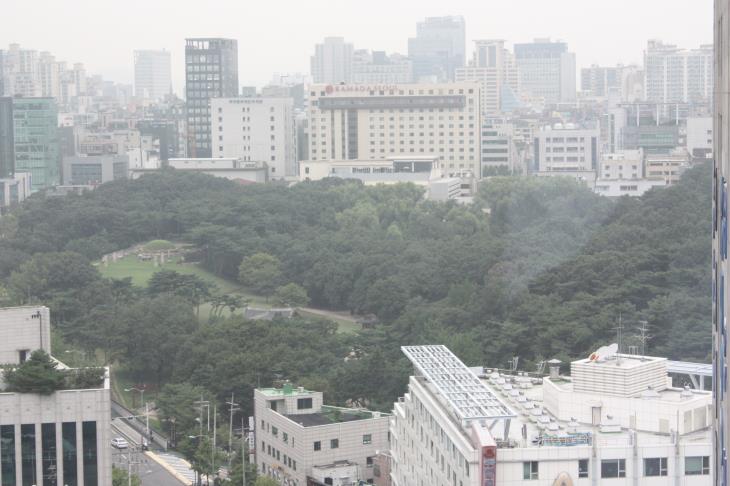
<point>494,67</point>
<point>300,441</point>
<point>667,167</point>
<point>366,122</point>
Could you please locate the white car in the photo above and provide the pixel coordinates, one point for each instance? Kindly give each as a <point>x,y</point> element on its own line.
<point>119,443</point>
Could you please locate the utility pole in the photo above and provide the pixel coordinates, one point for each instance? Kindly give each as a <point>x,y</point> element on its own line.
<point>233,407</point>
<point>215,435</point>
<point>243,453</point>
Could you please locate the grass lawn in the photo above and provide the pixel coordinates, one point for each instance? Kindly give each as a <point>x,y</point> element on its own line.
<point>141,271</point>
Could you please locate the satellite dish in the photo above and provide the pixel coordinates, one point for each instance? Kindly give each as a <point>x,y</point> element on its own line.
<point>604,353</point>
<point>563,479</point>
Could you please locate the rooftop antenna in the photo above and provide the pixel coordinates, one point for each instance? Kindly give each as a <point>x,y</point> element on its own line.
<point>619,338</point>
<point>644,336</point>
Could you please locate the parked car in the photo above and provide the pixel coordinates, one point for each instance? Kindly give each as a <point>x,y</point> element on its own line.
<point>119,443</point>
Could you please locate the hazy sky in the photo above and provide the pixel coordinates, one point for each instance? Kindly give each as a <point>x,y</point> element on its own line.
<point>279,36</point>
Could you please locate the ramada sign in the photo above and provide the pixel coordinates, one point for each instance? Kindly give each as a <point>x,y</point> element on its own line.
<point>359,88</point>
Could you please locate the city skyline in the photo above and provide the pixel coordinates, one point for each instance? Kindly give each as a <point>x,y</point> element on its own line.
<point>164,25</point>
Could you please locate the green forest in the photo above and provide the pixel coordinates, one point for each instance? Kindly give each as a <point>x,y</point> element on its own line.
<point>538,268</point>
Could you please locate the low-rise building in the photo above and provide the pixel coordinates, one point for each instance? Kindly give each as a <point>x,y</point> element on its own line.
<point>57,439</point>
<point>616,420</point>
<point>631,187</point>
<point>234,169</point>
<point>667,167</point>
<point>14,190</point>
<point>566,148</point>
<point>95,169</point>
<point>302,442</point>
<point>622,165</point>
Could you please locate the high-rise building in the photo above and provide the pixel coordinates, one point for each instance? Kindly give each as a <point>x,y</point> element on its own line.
<point>332,61</point>
<point>720,235</point>
<point>438,49</point>
<point>35,122</point>
<point>546,70</point>
<point>60,438</point>
<point>377,67</point>
<point>369,122</point>
<point>7,139</point>
<point>256,129</point>
<point>598,81</point>
<point>152,74</point>
<point>495,69</point>
<point>20,72</point>
<point>674,75</point>
<point>211,71</point>
<point>615,421</point>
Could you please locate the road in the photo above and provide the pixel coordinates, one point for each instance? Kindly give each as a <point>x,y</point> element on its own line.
<point>149,471</point>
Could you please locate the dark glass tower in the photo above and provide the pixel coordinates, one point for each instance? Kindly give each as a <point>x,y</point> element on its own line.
<point>211,71</point>
<point>7,141</point>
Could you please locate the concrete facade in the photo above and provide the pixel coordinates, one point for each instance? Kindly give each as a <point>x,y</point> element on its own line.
<point>297,438</point>
<point>94,169</point>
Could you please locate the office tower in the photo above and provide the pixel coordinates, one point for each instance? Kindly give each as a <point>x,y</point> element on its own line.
<point>211,71</point>
<point>36,140</point>
<point>332,61</point>
<point>60,438</point>
<point>256,129</point>
<point>495,69</point>
<point>438,49</point>
<point>674,75</point>
<point>546,71</point>
<point>377,67</point>
<point>7,140</point>
<point>598,81</point>
<point>152,74</point>
<point>364,122</point>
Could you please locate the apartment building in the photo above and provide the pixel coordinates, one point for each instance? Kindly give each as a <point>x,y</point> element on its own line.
<point>47,440</point>
<point>302,442</point>
<point>494,67</point>
<point>256,129</point>
<point>366,122</point>
<point>615,421</point>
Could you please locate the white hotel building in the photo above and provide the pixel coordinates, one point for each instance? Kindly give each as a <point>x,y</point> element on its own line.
<point>369,122</point>
<point>616,421</point>
<point>48,440</point>
<point>256,129</point>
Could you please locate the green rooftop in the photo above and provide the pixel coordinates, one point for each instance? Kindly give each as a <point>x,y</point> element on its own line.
<point>285,391</point>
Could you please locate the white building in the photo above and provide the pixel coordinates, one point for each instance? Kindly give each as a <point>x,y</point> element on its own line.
<point>237,170</point>
<point>367,122</point>
<point>494,67</point>
<point>14,190</point>
<point>623,165</point>
<point>152,74</point>
<point>547,71</point>
<point>699,136</point>
<point>256,129</point>
<point>61,438</point>
<point>332,61</point>
<point>674,75</point>
<point>302,442</point>
<point>499,152</point>
<point>615,421</point>
<point>567,148</point>
<point>377,67</point>
<point>666,167</point>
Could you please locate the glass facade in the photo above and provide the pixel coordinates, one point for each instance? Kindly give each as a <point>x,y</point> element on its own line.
<point>91,476</point>
<point>48,451</point>
<point>7,455</point>
<point>70,474</point>
<point>27,454</point>
<point>36,140</point>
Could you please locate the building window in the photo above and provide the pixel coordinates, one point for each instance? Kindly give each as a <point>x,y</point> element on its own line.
<point>613,468</point>
<point>369,461</point>
<point>304,403</point>
<point>48,451</point>
<point>694,466</point>
<point>583,468</point>
<point>334,443</point>
<point>655,466</point>
<point>317,445</point>
<point>274,431</point>
<point>88,431</point>
<point>530,470</point>
<point>27,454</point>
<point>367,439</point>
<point>285,437</point>
<point>7,455</point>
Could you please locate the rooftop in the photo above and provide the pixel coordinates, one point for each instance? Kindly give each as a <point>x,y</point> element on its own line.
<point>333,415</point>
<point>285,392</point>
